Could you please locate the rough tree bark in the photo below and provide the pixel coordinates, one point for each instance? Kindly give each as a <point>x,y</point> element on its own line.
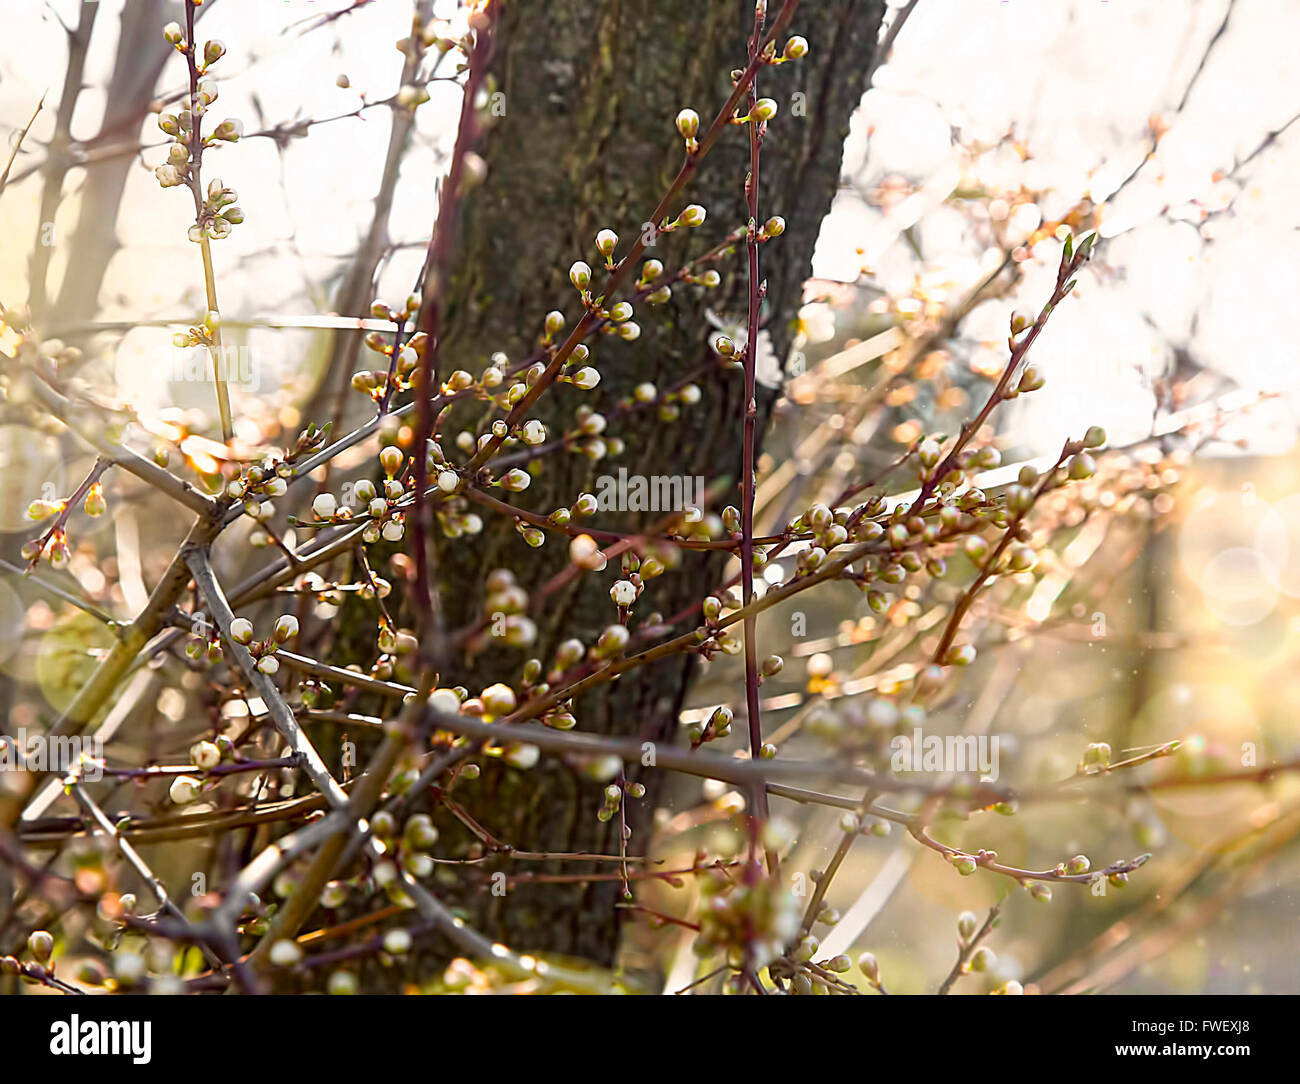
<point>586,142</point>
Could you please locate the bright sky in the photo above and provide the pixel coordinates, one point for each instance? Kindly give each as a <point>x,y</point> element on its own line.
<point>1077,81</point>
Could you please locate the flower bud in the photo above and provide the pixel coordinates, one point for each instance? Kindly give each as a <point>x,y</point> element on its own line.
<point>516,480</point>
<point>285,954</point>
<point>962,655</point>
<point>397,942</point>
<point>40,943</point>
<point>580,275</point>
<point>692,216</point>
<point>205,755</point>
<point>229,130</point>
<point>688,123</point>
<point>1082,466</point>
<point>342,983</point>
<point>241,630</point>
<point>612,640</point>
<point>498,699</point>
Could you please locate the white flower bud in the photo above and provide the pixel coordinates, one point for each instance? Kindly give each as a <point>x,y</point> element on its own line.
<point>516,480</point>
<point>184,789</point>
<point>444,701</point>
<point>623,593</point>
<point>523,757</point>
<point>241,630</point>
<point>580,275</point>
<point>285,954</point>
<point>694,215</point>
<point>397,942</point>
<point>205,755</point>
<point>498,699</point>
<point>342,983</point>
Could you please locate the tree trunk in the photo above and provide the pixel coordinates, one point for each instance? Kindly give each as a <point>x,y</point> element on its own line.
<point>587,142</point>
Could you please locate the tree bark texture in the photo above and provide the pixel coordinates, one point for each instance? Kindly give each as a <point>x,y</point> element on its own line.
<point>587,141</point>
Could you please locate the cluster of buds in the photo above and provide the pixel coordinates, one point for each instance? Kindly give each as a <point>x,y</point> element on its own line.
<point>718,725</point>
<point>200,334</point>
<point>393,642</point>
<point>263,651</point>
<point>636,571</point>
<point>259,484</point>
<point>588,437</point>
<point>576,370</point>
<point>796,48</point>
<point>505,606</point>
<point>614,802</point>
<point>205,756</point>
<point>808,976</point>
<point>219,212</point>
<point>386,520</point>
<point>185,127</point>
<point>53,546</point>
<point>652,271</point>
<point>410,847</point>
<point>404,367</point>
<point>204,642</point>
<point>94,505</point>
<point>750,923</point>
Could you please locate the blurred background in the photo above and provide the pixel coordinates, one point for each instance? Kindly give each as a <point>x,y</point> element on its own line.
<point>1166,605</point>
